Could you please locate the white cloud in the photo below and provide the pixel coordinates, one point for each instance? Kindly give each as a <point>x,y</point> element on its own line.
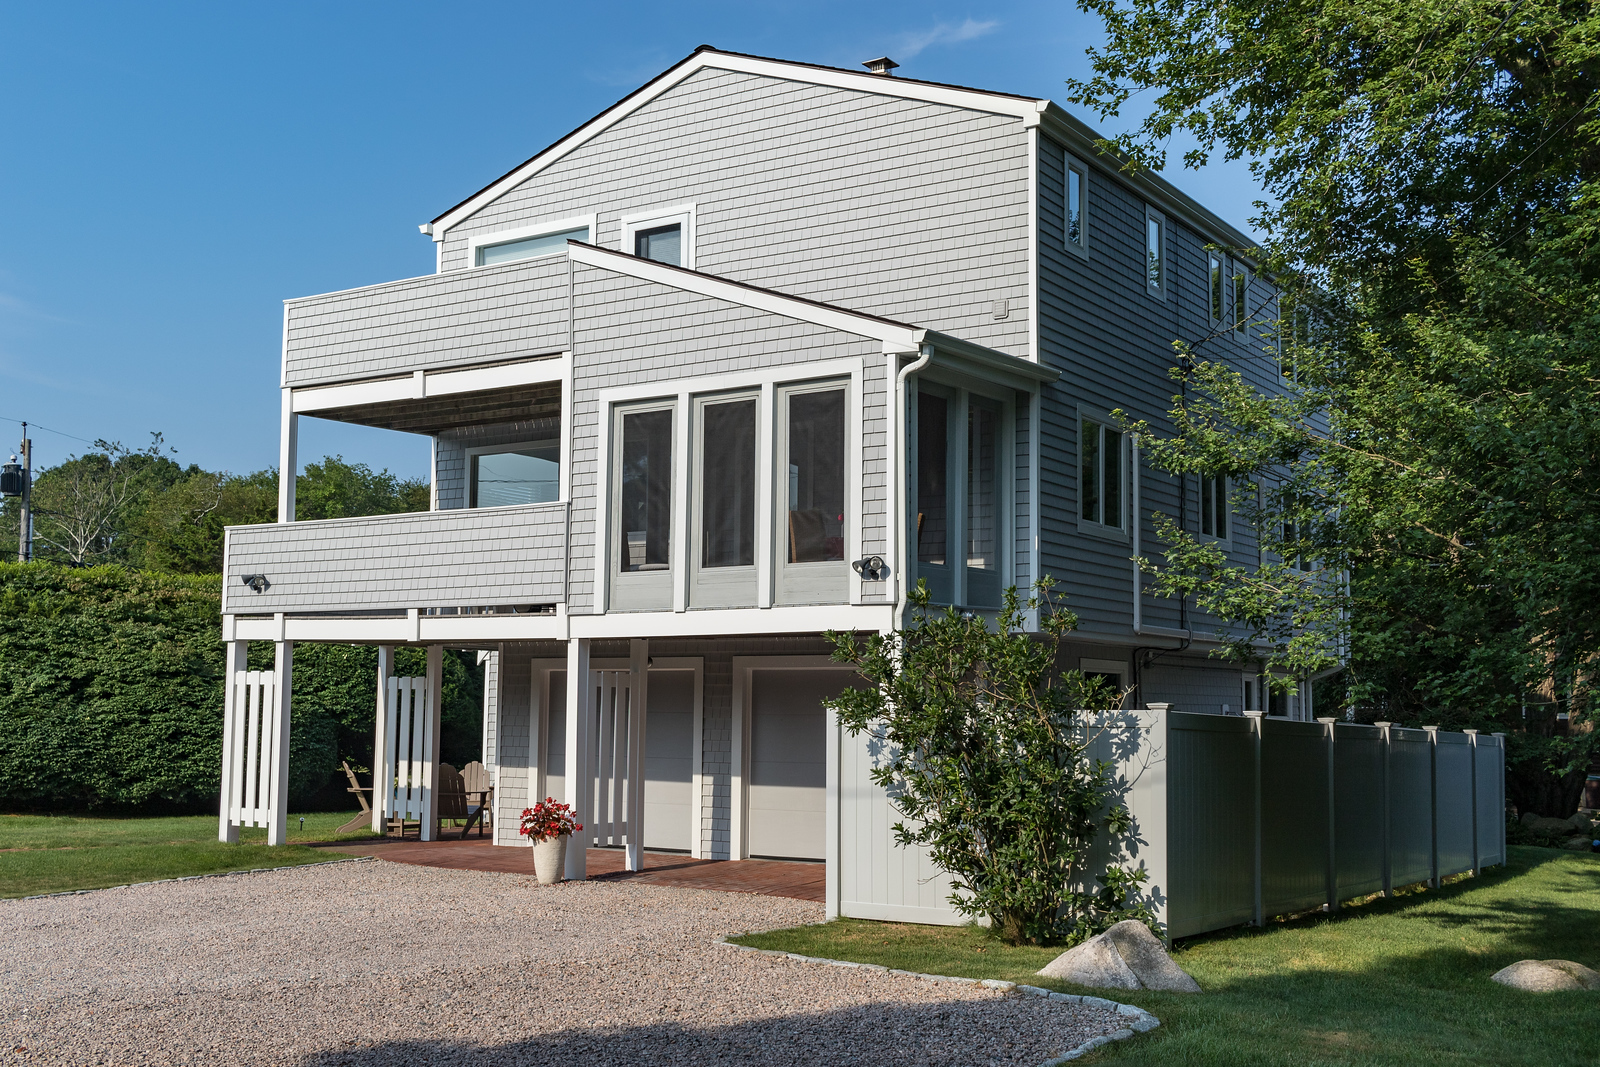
<point>911,44</point>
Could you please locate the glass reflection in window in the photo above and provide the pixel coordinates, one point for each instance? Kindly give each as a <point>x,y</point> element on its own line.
<point>816,476</point>
<point>529,474</point>
<point>646,520</point>
<point>728,484</point>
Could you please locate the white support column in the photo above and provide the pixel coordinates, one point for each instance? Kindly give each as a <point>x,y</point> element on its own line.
<point>638,725</point>
<point>278,749</point>
<point>430,743</point>
<point>580,753</point>
<point>234,660</point>
<point>382,773</point>
<point>288,457</point>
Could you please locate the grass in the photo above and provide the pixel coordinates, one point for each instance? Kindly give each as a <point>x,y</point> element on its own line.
<point>53,854</point>
<point>1390,982</point>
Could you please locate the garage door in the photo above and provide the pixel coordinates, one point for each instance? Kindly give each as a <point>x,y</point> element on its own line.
<point>787,800</point>
<point>668,756</point>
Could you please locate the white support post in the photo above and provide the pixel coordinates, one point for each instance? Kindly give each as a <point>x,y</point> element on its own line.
<point>278,749</point>
<point>288,457</point>
<point>235,660</point>
<point>1258,918</point>
<point>638,723</point>
<point>430,743</point>
<point>1472,740</point>
<point>1333,852</point>
<point>580,753</point>
<point>382,773</point>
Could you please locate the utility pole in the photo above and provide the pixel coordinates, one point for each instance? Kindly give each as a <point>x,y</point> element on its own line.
<point>25,535</point>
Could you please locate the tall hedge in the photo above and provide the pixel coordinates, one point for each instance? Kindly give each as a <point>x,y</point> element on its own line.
<point>111,694</point>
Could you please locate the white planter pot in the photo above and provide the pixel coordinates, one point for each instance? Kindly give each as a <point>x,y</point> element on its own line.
<point>550,859</point>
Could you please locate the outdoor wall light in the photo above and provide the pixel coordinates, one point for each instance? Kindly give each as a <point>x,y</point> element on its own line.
<point>257,582</point>
<point>871,569</point>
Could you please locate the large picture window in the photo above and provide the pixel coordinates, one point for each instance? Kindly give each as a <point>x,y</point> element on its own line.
<point>1100,474</point>
<point>544,244</point>
<point>519,474</point>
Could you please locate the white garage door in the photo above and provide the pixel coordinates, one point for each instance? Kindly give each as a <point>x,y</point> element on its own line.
<point>787,802</point>
<point>668,755</point>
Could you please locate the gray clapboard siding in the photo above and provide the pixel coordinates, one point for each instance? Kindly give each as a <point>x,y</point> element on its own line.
<point>911,210</point>
<point>628,331</point>
<point>443,320</point>
<point>474,558</point>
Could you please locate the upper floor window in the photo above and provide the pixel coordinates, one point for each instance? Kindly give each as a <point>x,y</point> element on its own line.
<point>1100,473</point>
<point>665,235</point>
<point>1218,297</point>
<point>515,474</point>
<point>1214,506</point>
<point>491,249</point>
<point>1241,294</point>
<point>1155,252</point>
<point>1076,197</point>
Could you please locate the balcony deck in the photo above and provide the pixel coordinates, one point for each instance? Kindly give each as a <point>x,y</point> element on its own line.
<point>466,558</point>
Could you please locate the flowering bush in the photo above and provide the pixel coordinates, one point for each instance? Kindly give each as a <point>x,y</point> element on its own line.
<point>548,819</point>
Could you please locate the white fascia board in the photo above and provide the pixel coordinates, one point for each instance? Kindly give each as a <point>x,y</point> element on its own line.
<point>1027,110</point>
<point>398,630</point>
<point>733,621</point>
<point>433,383</point>
<point>905,338</point>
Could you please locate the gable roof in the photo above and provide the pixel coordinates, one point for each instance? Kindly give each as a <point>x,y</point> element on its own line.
<point>1030,111</point>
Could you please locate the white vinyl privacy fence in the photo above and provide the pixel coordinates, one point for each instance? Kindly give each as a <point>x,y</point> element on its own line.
<point>1237,819</point>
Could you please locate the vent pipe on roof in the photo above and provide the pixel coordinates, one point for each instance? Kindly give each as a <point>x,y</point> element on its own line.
<point>882,65</point>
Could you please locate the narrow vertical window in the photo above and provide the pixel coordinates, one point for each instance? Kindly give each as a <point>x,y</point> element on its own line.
<point>816,476</point>
<point>1155,255</point>
<point>983,489</point>
<point>933,437</point>
<point>728,485</point>
<point>1217,312</point>
<point>1089,470</point>
<point>1241,290</point>
<point>1214,506</point>
<point>1111,479</point>
<point>1077,184</point>
<point>646,526</point>
<point>1100,473</point>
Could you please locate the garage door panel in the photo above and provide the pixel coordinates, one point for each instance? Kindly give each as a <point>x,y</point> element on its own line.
<point>668,761</point>
<point>786,798</point>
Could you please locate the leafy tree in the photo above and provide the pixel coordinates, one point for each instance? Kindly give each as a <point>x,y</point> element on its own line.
<point>334,489</point>
<point>981,751</point>
<point>1433,453</point>
<point>182,529</point>
<point>82,506</point>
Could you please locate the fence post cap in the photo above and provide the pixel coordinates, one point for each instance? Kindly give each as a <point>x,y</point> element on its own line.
<point>1431,729</point>
<point>1470,733</point>
<point>1383,725</point>
<point>1158,707</point>
<point>1497,734</point>
<point>1252,714</point>
<point>1326,719</point>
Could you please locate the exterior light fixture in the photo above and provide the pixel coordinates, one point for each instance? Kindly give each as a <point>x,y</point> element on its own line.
<point>871,569</point>
<point>257,582</point>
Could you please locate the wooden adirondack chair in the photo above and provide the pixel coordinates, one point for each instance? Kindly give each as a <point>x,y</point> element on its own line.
<point>450,801</point>
<point>361,791</point>
<point>480,796</point>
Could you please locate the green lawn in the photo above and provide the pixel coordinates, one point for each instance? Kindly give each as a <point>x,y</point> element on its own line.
<point>1403,981</point>
<point>52,854</point>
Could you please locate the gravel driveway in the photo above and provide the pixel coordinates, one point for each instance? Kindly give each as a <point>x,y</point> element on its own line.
<point>382,963</point>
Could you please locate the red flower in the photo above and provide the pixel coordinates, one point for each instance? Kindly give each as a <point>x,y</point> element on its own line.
<point>548,819</point>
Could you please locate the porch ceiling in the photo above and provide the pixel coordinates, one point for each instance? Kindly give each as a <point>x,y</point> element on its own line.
<point>452,411</point>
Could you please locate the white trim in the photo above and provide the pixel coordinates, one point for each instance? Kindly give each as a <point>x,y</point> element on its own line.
<point>288,456</point>
<point>1071,164</point>
<point>535,371</point>
<point>1033,244</point>
<point>681,214</point>
<point>971,99</point>
<point>739,756</point>
<point>543,228</point>
<point>1117,667</point>
<point>901,913</point>
<point>781,374</point>
<point>734,622</point>
<point>1162,292</point>
<point>404,630</point>
<point>845,321</point>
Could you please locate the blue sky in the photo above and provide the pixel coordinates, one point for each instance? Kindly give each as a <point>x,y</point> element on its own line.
<point>173,172</point>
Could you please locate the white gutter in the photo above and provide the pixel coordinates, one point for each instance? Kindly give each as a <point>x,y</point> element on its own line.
<point>897,436</point>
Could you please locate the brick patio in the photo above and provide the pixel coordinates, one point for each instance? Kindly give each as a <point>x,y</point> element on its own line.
<point>775,878</point>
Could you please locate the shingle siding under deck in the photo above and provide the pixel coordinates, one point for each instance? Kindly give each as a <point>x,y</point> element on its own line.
<point>911,210</point>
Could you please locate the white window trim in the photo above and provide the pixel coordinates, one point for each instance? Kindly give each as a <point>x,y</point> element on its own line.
<point>494,450</point>
<point>1224,278</point>
<point>1107,666</point>
<point>1160,292</point>
<point>1200,501</point>
<point>522,233</point>
<point>1072,163</point>
<point>679,393</point>
<point>1090,526</point>
<point>682,214</point>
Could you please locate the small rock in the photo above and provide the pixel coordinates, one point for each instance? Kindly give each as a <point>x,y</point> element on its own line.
<point>1528,818</point>
<point>1127,956</point>
<point>1579,844</point>
<point>1544,823</point>
<point>1582,823</point>
<point>1547,976</point>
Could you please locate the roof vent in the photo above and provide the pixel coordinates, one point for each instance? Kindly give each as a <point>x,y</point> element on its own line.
<point>882,65</point>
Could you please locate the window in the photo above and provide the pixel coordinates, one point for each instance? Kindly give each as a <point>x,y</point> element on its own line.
<point>1250,695</point>
<point>1076,200</point>
<point>1155,249</point>
<point>933,439</point>
<point>663,234</point>
<point>723,549</point>
<point>1217,301</point>
<point>961,498</point>
<point>664,244</point>
<point>642,515</point>
<point>1241,292</point>
<point>982,527</point>
<point>1214,506</point>
<point>1111,672</point>
<point>813,514</point>
<point>1099,473</point>
<point>488,254</point>
<point>517,474</point>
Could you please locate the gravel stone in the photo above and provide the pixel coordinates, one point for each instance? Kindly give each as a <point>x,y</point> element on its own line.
<point>366,964</point>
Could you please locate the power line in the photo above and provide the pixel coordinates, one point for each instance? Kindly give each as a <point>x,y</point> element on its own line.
<point>46,429</point>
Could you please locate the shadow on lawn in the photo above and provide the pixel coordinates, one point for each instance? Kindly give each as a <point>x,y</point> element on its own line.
<point>953,1032</point>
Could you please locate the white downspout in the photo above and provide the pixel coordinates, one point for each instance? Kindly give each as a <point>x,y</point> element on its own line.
<point>897,438</point>
<point>1133,500</point>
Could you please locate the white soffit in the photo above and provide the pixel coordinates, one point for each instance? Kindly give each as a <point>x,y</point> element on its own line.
<point>972,99</point>
<point>421,384</point>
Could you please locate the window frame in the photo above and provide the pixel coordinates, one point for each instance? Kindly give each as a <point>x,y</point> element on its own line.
<point>643,590</point>
<point>1216,288</point>
<point>818,581</point>
<point>1225,538</point>
<point>1239,285</point>
<point>1096,527</point>
<point>472,453</point>
<point>721,587</point>
<point>1163,257</point>
<point>1072,165</point>
<point>479,241</point>
<point>654,218</point>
